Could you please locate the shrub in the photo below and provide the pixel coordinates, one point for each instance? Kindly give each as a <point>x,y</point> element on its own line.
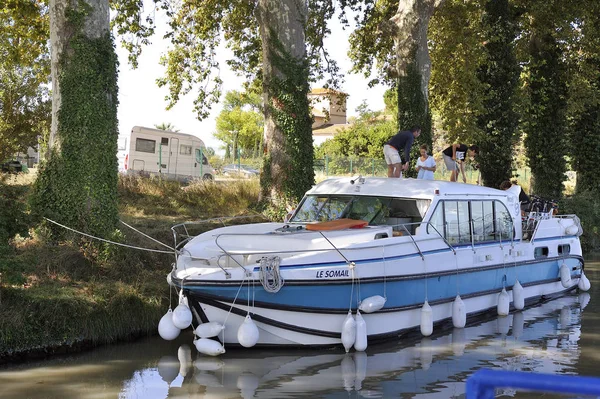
<point>586,206</point>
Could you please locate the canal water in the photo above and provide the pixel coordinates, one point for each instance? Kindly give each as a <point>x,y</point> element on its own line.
<point>561,336</point>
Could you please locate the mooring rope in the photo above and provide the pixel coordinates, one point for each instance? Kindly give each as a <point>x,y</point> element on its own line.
<point>112,242</point>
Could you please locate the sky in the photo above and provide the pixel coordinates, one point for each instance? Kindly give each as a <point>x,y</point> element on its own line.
<point>142,102</point>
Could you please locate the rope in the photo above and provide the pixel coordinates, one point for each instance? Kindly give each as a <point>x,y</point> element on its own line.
<point>147,236</point>
<point>230,308</point>
<point>108,241</point>
<point>270,277</point>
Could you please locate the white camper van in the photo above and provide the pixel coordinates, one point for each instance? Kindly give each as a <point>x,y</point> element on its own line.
<point>173,155</point>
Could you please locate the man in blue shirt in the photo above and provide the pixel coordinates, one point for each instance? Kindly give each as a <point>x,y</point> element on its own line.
<point>402,141</point>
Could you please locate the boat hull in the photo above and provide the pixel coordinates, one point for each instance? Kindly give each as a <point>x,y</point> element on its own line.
<point>284,324</point>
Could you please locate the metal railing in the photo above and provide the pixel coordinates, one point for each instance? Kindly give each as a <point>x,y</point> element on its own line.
<point>231,254</point>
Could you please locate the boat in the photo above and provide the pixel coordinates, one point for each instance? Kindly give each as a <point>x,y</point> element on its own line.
<point>363,260</point>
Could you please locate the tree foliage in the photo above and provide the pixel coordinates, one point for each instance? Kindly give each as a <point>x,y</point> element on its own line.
<point>24,71</point>
<point>546,87</point>
<point>240,124</point>
<point>457,53</point>
<point>168,126</point>
<point>365,137</point>
<point>499,75</point>
<point>584,96</point>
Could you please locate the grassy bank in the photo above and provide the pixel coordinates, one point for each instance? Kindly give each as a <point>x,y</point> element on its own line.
<point>60,296</point>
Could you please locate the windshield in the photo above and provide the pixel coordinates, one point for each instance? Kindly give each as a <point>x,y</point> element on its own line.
<point>374,210</point>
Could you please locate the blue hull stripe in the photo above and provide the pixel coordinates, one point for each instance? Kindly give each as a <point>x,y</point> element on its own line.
<point>399,293</point>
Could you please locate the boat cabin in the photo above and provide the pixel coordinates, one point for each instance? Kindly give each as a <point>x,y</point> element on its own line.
<point>461,213</point>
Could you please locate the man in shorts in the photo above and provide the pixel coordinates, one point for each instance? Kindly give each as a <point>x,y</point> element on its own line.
<point>402,141</point>
<point>455,157</point>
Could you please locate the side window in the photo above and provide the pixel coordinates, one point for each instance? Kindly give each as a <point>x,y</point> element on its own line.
<point>456,214</point>
<point>504,222</point>
<point>437,219</point>
<point>164,141</point>
<point>185,149</point>
<point>143,145</point>
<point>564,249</point>
<point>204,159</point>
<point>478,221</point>
<point>540,252</point>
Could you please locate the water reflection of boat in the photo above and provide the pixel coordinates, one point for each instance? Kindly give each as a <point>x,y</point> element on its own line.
<point>543,339</point>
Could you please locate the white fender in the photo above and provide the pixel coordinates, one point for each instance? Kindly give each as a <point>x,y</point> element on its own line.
<point>168,367</point>
<point>184,354</point>
<point>208,364</point>
<point>518,296</point>
<point>360,344</point>
<point>565,275</point>
<point>584,283</point>
<point>248,333</point>
<point>209,330</point>
<point>503,303</point>
<point>360,360</point>
<point>182,316</point>
<point>426,320</point>
<point>166,329</point>
<point>209,347</point>
<point>372,304</point>
<point>348,332</point>
<point>459,313</point>
<point>583,299</point>
<point>571,230</point>
<point>518,324</point>
<point>348,372</point>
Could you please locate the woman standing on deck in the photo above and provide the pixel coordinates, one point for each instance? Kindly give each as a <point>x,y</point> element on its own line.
<point>425,164</point>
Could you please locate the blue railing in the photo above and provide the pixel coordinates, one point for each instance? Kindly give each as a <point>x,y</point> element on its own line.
<point>483,383</point>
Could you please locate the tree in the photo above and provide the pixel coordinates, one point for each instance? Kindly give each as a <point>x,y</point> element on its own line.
<point>395,35</point>
<point>457,54</point>
<point>584,97</point>
<point>77,185</point>
<point>364,138</point>
<point>168,126</point>
<point>240,125</point>
<point>545,120</point>
<point>24,70</point>
<point>499,75</point>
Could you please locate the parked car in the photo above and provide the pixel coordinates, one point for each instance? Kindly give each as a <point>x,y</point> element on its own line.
<point>240,170</point>
<point>13,166</point>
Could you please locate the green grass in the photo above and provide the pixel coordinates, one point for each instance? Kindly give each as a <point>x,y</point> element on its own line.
<point>57,295</point>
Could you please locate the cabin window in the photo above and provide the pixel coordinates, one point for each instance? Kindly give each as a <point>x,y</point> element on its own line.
<point>504,222</point>
<point>185,149</point>
<point>564,249</point>
<point>540,252</point>
<point>481,221</point>
<point>144,145</point>
<point>399,213</point>
<point>456,215</point>
<point>164,141</point>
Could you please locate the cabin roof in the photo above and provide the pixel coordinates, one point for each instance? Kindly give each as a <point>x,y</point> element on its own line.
<point>405,188</point>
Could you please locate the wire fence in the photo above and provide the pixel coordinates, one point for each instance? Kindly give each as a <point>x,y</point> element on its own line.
<point>351,166</point>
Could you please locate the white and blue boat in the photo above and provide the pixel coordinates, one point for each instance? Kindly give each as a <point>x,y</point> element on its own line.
<point>403,254</point>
